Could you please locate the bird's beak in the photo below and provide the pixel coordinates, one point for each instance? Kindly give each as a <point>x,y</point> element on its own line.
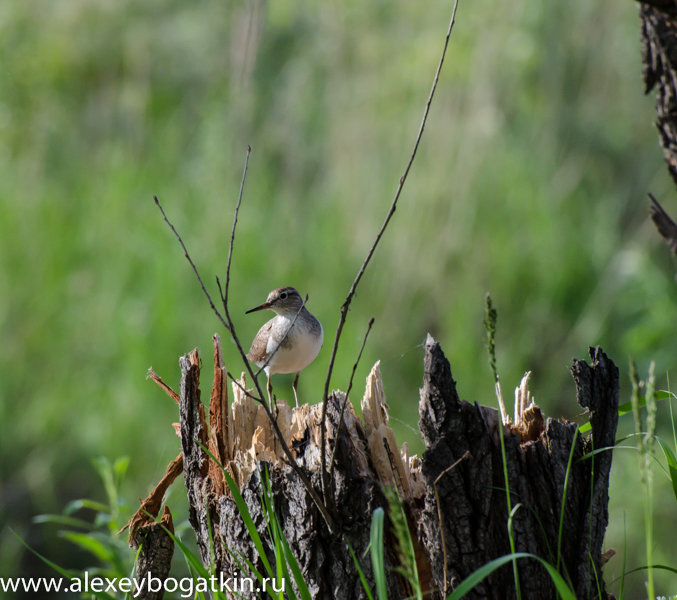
<point>259,307</point>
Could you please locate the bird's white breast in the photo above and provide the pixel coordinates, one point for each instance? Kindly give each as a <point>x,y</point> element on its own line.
<point>301,346</point>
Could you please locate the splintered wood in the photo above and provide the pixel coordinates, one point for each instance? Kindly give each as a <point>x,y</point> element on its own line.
<point>248,437</point>
<point>392,467</point>
<point>528,421</point>
<point>453,496</point>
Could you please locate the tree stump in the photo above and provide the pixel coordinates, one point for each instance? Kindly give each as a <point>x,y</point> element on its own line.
<point>454,496</point>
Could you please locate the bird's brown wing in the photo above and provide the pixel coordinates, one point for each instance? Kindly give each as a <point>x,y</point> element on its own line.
<point>665,225</point>
<point>257,353</point>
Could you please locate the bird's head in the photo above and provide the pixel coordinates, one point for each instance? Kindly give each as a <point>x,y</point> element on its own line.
<point>283,301</point>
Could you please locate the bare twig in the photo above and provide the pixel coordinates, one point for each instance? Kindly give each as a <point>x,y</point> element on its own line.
<point>223,293</point>
<point>229,325</point>
<point>345,400</point>
<point>360,273</point>
<point>224,296</point>
<point>190,260</point>
<point>236,339</point>
<point>231,328</point>
<point>242,388</point>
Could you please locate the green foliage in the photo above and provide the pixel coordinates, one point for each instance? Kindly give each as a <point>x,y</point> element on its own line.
<point>360,572</point>
<point>478,576</point>
<point>97,538</point>
<point>669,454</point>
<point>377,553</point>
<point>406,555</point>
<point>645,445</point>
<point>530,181</point>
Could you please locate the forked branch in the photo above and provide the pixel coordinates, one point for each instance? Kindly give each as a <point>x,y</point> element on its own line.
<point>391,211</point>
<point>229,325</point>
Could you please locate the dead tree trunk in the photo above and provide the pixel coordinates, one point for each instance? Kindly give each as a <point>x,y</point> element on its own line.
<point>659,55</point>
<point>454,495</point>
<point>468,504</point>
<point>658,28</point>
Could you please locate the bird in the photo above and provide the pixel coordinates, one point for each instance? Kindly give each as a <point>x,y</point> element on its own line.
<point>290,341</point>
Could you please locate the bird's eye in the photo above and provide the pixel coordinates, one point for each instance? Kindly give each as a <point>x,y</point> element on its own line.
<point>283,295</point>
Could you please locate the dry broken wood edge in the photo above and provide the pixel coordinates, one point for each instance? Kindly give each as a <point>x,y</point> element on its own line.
<point>453,495</point>
<point>329,499</point>
<point>228,323</point>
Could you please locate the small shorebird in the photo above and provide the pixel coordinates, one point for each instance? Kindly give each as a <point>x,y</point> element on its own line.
<point>290,341</point>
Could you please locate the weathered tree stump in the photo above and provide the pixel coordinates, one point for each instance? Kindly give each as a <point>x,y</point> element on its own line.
<point>454,496</point>
<point>472,499</point>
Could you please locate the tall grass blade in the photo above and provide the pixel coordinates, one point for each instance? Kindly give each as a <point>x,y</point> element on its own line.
<point>63,572</point>
<point>363,579</point>
<point>672,463</point>
<point>490,320</point>
<point>244,513</point>
<point>564,498</point>
<point>377,553</point>
<point>405,546</point>
<point>483,572</point>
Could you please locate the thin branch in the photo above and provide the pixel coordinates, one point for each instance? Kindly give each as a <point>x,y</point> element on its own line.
<point>229,325</point>
<point>190,260</point>
<point>360,273</point>
<point>242,388</point>
<point>231,328</point>
<point>345,400</point>
<point>224,296</point>
<point>236,339</point>
<point>276,429</point>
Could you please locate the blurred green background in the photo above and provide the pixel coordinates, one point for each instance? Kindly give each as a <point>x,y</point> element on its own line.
<point>530,183</point>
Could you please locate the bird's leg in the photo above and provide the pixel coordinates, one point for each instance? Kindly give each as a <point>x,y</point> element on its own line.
<point>294,385</point>
<point>269,389</point>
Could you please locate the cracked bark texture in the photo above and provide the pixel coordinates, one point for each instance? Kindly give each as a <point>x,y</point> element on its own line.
<point>327,565</point>
<point>658,27</point>
<point>471,514</point>
<point>155,554</point>
<point>472,498</point>
<point>659,54</point>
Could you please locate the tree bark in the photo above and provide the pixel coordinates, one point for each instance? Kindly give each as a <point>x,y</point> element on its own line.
<point>658,30</point>
<point>659,55</point>
<point>472,499</point>
<point>454,496</point>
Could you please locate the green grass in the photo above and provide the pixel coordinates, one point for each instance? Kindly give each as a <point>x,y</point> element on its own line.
<point>98,536</point>
<point>490,321</point>
<point>646,445</point>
